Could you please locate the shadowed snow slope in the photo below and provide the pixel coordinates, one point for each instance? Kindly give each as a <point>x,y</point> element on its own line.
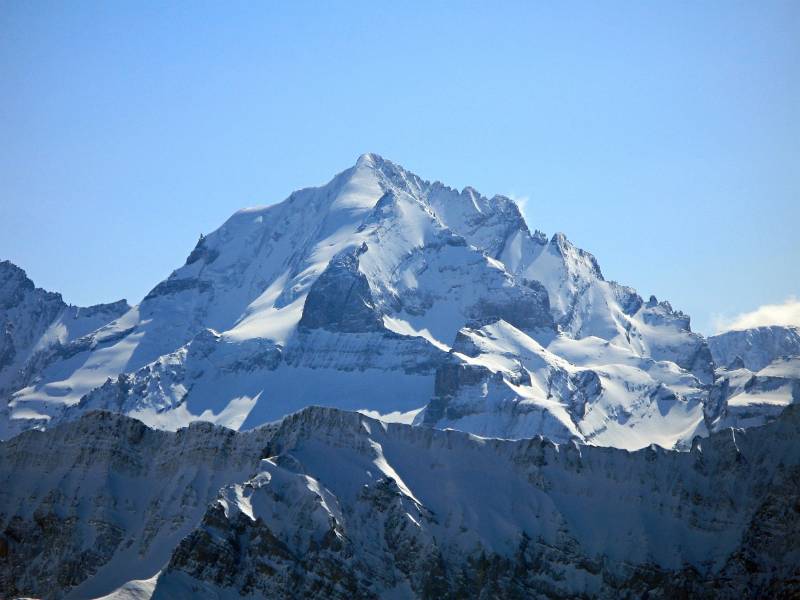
<point>384,293</point>
<point>333,504</point>
<point>756,347</point>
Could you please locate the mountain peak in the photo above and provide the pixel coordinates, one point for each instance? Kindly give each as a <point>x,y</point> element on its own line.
<point>565,248</point>
<point>15,283</point>
<point>369,159</point>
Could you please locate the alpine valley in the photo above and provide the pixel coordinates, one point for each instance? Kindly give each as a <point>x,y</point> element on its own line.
<point>388,388</point>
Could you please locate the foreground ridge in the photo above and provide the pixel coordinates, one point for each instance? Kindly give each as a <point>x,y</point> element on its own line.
<point>334,504</point>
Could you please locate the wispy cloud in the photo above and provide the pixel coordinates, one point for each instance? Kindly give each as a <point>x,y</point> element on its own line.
<point>522,201</point>
<point>786,313</point>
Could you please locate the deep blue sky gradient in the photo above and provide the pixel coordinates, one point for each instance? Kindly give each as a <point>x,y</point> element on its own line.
<point>663,137</point>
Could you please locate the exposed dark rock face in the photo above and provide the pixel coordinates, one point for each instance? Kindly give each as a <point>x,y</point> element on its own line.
<point>202,252</point>
<point>587,388</point>
<point>175,286</point>
<point>699,361</point>
<point>529,310</point>
<point>340,299</point>
<point>452,378</point>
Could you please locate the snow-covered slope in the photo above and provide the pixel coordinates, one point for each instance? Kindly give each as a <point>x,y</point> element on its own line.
<point>331,504</point>
<point>745,398</point>
<point>104,500</point>
<point>34,324</point>
<point>756,347</point>
<point>504,383</point>
<point>585,305</point>
<point>399,297</point>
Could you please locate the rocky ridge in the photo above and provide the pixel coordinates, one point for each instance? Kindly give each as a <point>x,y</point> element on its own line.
<point>332,504</point>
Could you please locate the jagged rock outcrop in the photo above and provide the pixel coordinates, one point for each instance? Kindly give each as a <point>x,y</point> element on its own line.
<point>340,299</point>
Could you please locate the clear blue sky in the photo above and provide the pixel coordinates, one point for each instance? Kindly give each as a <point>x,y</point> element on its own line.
<point>664,137</point>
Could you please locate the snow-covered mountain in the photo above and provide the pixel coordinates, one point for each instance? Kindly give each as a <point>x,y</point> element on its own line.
<point>400,298</point>
<point>332,504</point>
<point>382,312</point>
<point>756,348</point>
<point>34,324</point>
